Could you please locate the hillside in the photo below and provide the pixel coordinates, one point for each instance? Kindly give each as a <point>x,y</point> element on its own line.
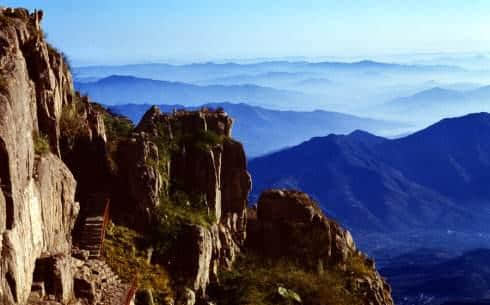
<point>433,179</point>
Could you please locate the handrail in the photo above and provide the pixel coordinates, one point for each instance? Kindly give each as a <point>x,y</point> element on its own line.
<point>104,225</point>
<point>131,292</point>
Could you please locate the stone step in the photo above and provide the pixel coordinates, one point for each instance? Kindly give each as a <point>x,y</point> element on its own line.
<point>97,238</point>
<point>89,245</point>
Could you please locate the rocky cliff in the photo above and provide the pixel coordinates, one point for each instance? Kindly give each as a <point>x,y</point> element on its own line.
<point>37,204</point>
<point>178,186</point>
<point>289,225</point>
<point>190,154</point>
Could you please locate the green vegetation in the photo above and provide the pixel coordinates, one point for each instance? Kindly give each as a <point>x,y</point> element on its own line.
<point>358,266</point>
<point>177,208</point>
<point>203,139</point>
<point>72,122</point>
<point>125,251</point>
<point>173,213</point>
<point>41,143</point>
<point>118,129</point>
<point>255,281</point>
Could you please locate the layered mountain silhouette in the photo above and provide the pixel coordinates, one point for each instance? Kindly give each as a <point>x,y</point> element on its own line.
<point>223,71</point>
<point>439,102</point>
<point>117,89</point>
<point>264,130</point>
<point>434,179</point>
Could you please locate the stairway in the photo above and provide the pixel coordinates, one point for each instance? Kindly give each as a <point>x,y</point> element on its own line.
<point>91,235</point>
<point>109,289</point>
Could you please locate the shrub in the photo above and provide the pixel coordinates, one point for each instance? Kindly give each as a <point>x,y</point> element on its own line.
<point>203,139</point>
<point>72,122</point>
<point>357,264</point>
<point>125,251</point>
<point>117,127</point>
<point>258,281</point>
<point>41,143</point>
<point>176,211</point>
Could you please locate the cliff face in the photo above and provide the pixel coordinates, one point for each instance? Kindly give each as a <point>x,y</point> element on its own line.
<point>37,207</point>
<point>191,153</point>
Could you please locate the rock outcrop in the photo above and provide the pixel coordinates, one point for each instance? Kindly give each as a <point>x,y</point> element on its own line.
<point>37,207</point>
<point>289,224</point>
<point>191,152</point>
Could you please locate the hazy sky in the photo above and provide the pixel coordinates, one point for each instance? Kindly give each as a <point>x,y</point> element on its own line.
<point>119,31</point>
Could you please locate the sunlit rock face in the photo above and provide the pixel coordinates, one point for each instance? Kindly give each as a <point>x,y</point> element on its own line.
<point>37,206</point>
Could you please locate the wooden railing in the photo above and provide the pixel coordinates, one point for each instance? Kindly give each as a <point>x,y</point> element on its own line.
<point>104,225</point>
<point>131,292</point>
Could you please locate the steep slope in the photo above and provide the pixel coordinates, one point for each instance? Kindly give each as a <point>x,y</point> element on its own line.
<point>451,157</point>
<point>264,130</point>
<point>37,207</point>
<point>436,176</point>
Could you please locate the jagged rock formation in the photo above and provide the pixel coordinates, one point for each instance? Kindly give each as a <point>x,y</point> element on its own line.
<point>213,171</point>
<point>288,224</point>
<point>37,207</point>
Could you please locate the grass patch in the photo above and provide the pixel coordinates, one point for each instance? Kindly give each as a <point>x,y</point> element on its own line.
<point>255,281</point>
<point>41,143</point>
<point>125,252</point>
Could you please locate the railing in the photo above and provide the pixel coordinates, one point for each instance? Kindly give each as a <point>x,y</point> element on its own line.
<point>131,292</point>
<point>104,225</point>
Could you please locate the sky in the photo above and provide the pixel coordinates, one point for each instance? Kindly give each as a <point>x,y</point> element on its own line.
<point>123,31</point>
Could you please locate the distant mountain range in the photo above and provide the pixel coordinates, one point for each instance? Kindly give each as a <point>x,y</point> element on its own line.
<point>353,87</point>
<point>118,89</point>
<point>207,71</point>
<point>439,102</point>
<point>263,130</point>
<point>433,179</point>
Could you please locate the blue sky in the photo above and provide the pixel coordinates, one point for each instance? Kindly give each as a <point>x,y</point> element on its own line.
<point>123,31</point>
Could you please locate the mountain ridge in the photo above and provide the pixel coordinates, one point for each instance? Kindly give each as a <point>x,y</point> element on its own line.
<point>391,184</point>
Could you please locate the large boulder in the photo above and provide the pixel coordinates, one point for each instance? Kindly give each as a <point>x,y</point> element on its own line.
<point>289,223</point>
